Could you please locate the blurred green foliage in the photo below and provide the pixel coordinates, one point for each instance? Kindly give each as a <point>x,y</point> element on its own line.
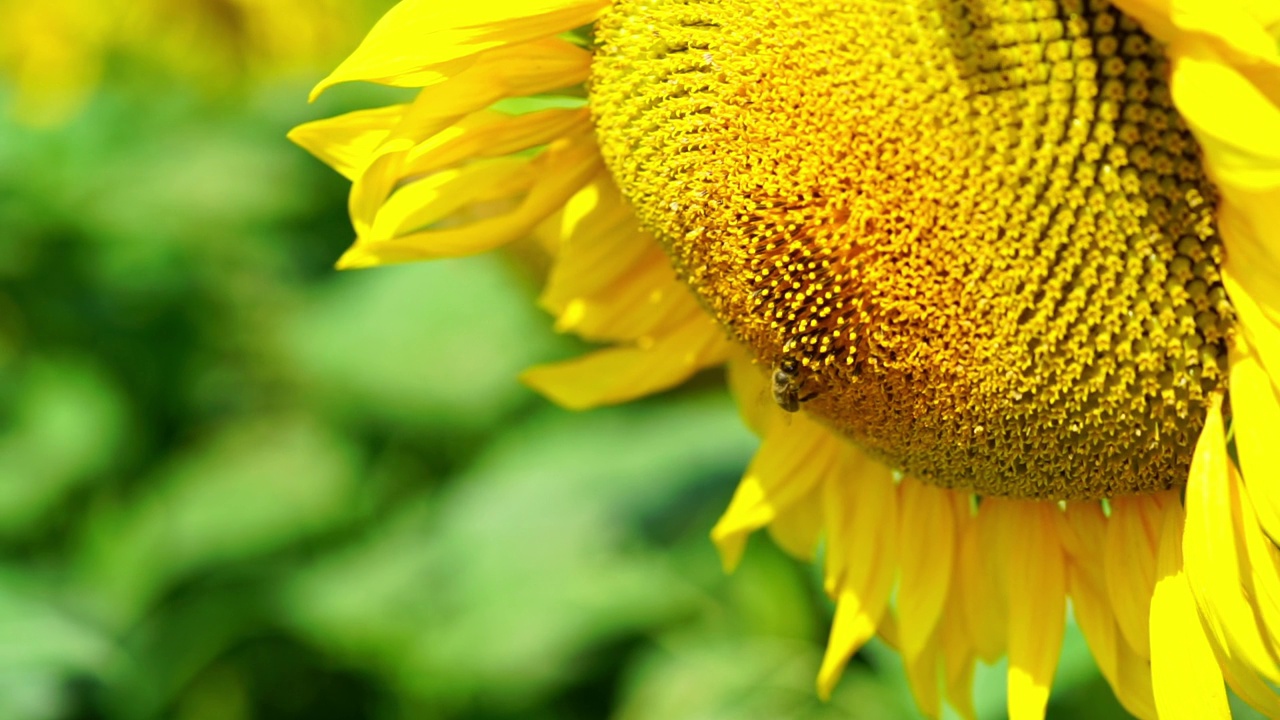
<point>236,484</point>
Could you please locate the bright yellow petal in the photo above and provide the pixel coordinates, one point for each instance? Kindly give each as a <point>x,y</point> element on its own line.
<point>532,68</point>
<point>927,544</point>
<point>1129,674</point>
<point>792,462</point>
<point>958,660</point>
<point>563,169</point>
<point>949,647</point>
<point>1133,534</point>
<point>1133,683</point>
<point>488,134</point>
<point>1244,32</point>
<point>798,527</point>
<point>750,391</point>
<point>1037,580</point>
<point>636,304</point>
<point>347,142</point>
<point>1184,672</point>
<point>420,42</point>
<point>600,241</point>
<point>1251,688</point>
<point>1227,86</point>
<point>959,655</point>
<point>1215,558</point>
<point>1084,539</point>
<point>620,374</point>
<point>924,677</point>
<point>1084,533</point>
<point>1262,579</point>
<point>425,202</point>
<point>1254,681</point>
<point>862,558</point>
<point>983,592</point>
<point>1255,406</point>
<point>523,69</point>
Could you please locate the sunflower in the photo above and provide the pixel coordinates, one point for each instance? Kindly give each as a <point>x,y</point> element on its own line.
<point>1017,264</point>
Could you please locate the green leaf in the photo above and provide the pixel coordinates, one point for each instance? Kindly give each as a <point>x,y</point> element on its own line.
<point>436,345</point>
<point>249,490</point>
<point>65,425</point>
<point>43,643</point>
<point>504,586</point>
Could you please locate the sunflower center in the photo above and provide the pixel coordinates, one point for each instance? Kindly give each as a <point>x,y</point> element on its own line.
<point>978,231</point>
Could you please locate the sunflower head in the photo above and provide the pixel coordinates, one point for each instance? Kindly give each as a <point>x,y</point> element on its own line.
<point>982,228</point>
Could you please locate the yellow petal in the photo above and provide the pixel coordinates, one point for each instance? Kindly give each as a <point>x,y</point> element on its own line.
<point>798,527</point>
<point>888,630</point>
<point>1214,553</point>
<point>1226,85</point>
<point>420,42</point>
<point>959,656</point>
<point>1037,579</point>
<point>854,477</point>
<point>1184,672</point>
<point>1256,410</point>
<point>1084,539</point>
<point>1129,674</point>
<point>600,241</point>
<point>636,304</point>
<point>862,523</point>
<point>1133,684</point>
<point>791,464</point>
<point>983,593</point>
<point>927,545</point>
<point>958,661</point>
<point>346,143</point>
<point>563,169</point>
<point>1262,580</point>
<point>427,201</point>
<point>1251,688</point>
<point>625,373</point>
<point>1133,533</point>
<point>750,391</point>
<point>488,134</point>
<point>524,69</point>
<point>924,678</point>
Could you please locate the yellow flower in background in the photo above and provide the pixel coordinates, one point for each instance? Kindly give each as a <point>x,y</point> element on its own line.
<point>54,52</point>
<point>1018,262</point>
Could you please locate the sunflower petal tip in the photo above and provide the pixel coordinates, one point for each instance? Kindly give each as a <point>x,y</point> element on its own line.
<point>542,379</point>
<point>730,547</point>
<point>356,258</point>
<point>320,87</point>
<point>828,676</point>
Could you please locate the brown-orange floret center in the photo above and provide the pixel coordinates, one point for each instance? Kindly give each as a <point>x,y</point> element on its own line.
<point>980,227</point>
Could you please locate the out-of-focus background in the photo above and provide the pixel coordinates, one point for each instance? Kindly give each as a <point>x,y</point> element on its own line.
<point>235,483</point>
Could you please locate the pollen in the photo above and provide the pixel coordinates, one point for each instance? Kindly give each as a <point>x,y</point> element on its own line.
<point>980,227</point>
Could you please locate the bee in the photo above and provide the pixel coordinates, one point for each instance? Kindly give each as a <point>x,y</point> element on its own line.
<point>788,385</point>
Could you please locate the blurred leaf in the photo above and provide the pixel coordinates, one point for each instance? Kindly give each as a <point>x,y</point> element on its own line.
<point>435,344</point>
<point>499,589</point>
<point>65,424</point>
<point>42,644</point>
<point>249,490</point>
<point>753,652</point>
<point>716,676</point>
<point>1078,687</point>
